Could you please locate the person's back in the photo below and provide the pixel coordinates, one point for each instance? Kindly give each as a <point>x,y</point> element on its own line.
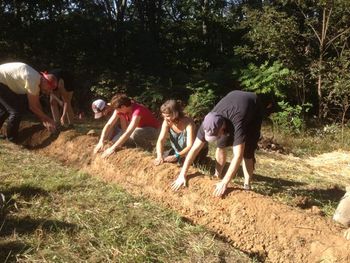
<point>237,105</point>
<point>20,78</point>
<point>147,118</point>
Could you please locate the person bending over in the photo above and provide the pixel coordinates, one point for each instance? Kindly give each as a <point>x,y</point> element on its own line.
<point>61,97</point>
<point>101,109</point>
<point>180,129</point>
<point>138,125</point>
<point>235,121</point>
<point>20,82</point>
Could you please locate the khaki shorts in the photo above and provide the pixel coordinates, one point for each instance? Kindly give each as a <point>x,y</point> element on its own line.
<point>145,137</point>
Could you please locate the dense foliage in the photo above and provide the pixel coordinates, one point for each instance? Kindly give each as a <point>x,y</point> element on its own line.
<point>292,50</point>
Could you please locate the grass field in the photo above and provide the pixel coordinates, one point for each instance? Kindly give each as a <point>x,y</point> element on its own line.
<point>50,213</point>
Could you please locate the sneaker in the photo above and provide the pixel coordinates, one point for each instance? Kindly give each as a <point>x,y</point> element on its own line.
<point>246,187</point>
<point>2,137</point>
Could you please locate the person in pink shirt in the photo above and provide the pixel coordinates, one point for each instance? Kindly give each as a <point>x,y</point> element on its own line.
<point>138,125</point>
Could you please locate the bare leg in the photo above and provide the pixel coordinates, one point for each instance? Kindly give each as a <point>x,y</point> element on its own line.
<point>248,169</point>
<point>220,157</point>
<point>54,110</point>
<point>70,113</point>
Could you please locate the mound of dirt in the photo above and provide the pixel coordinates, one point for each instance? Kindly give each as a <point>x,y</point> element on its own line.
<point>269,144</point>
<point>251,222</point>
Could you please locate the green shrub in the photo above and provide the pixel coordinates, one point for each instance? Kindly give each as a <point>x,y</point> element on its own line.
<point>201,100</point>
<point>107,86</point>
<point>266,79</point>
<point>290,119</point>
<point>152,98</point>
<point>152,95</point>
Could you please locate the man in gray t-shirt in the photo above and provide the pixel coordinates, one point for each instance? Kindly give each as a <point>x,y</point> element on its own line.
<point>235,121</point>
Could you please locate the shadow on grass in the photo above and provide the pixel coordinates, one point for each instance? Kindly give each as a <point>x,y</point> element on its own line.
<point>28,139</point>
<point>29,225</point>
<point>25,191</point>
<point>318,197</point>
<point>276,183</point>
<point>10,249</point>
<point>302,195</point>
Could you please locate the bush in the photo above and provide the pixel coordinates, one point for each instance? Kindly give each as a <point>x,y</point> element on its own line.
<point>290,120</point>
<point>201,100</point>
<point>266,79</point>
<point>107,86</point>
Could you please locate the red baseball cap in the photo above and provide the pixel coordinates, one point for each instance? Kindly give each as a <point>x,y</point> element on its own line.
<point>51,79</point>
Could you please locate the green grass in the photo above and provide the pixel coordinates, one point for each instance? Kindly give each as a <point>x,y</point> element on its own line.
<point>312,141</point>
<point>55,214</point>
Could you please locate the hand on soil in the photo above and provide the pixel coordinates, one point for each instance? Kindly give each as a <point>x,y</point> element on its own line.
<point>108,152</point>
<point>220,189</point>
<point>170,159</point>
<point>98,147</point>
<point>180,181</point>
<point>50,126</point>
<point>158,161</point>
<point>347,234</point>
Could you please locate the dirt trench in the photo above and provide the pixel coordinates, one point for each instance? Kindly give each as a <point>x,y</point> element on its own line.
<point>251,222</point>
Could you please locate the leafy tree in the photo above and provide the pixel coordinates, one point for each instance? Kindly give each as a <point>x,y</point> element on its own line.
<point>329,23</point>
<point>266,79</point>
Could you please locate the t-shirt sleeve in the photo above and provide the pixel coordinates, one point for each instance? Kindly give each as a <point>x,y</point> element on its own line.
<point>32,86</point>
<point>239,132</point>
<point>137,112</point>
<point>200,133</point>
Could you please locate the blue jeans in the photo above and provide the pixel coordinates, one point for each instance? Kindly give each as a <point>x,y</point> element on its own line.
<point>12,106</point>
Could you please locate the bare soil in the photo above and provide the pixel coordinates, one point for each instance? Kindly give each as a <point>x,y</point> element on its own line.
<point>252,222</point>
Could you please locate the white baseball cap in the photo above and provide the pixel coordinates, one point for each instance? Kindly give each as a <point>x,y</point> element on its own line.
<point>97,107</point>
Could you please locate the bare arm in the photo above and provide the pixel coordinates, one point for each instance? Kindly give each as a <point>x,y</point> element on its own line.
<point>220,158</point>
<point>160,142</point>
<point>35,107</point>
<point>64,95</point>
<point>238,151</point>
<point>106,130</point>
<point>131,127</point>
<point>191,156</point>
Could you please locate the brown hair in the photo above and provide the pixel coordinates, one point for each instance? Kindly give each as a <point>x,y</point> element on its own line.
<point>119,100</point>
<point>173,108</point>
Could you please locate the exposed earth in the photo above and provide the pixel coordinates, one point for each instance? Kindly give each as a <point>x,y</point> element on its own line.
<point>253,223</point>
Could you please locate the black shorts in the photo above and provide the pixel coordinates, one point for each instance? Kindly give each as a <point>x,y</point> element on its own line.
<point>251,141</point>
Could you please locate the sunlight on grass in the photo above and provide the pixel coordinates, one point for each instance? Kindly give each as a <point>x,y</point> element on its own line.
<point>56,214</point>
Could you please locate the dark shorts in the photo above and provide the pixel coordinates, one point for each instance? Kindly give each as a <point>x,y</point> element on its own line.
<point>251,142</point>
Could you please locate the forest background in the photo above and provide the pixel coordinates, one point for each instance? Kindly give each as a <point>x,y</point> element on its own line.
<point>295,53</point>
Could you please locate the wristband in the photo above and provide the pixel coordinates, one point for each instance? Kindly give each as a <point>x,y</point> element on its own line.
<point>177,155</point>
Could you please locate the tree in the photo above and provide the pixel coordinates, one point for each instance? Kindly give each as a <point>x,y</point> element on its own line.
<point>329,22</point>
